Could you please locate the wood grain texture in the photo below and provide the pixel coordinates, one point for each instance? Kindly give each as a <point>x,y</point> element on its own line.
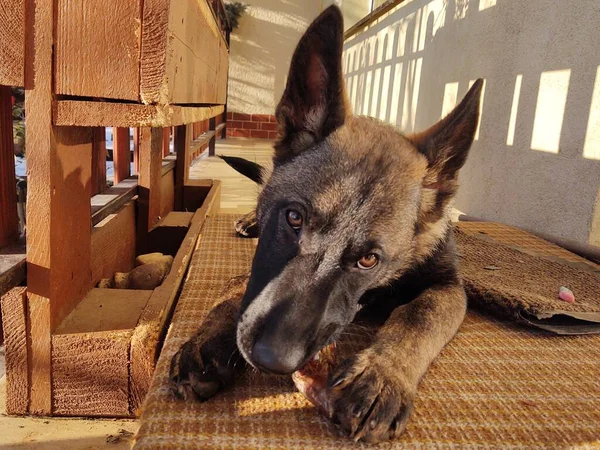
<point>14,316</point>
<point>12,42</point>
<point>184,58</point>
<point>70,225</point>
<point>98,48</point>
<point>150,175</point>
<point>89,374</point>
<point>153,320</point>
<point>9,221</point>
<point>113,244</point>
<point>87,113</point>
<point>167,193</point>
<point>98,182</point>
<point>40,151</point>
<point>121,154</point>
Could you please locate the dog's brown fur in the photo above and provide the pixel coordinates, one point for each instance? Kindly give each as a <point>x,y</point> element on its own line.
<point>361,187</point>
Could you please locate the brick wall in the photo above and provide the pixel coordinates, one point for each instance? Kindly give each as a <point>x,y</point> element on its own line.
<point>258,126</point>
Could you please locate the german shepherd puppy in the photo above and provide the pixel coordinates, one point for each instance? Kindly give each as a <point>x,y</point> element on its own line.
<point>353,213</point>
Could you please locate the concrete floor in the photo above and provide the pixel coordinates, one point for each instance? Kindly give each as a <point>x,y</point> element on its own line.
<point>238,195</point>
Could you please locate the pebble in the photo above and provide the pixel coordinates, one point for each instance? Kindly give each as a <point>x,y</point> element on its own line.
<point>565,294</point>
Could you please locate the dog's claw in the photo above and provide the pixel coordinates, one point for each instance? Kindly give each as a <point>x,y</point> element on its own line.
<point>372,405</point>
<point>247,225</point>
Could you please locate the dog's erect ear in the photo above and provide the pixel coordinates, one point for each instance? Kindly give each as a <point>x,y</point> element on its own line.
<point>314,101</point>
<point>446,144</point>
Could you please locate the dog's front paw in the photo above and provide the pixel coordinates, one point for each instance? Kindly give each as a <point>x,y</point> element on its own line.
<point>370,399</point>
<point>247,225</point>
<point>202,367</point>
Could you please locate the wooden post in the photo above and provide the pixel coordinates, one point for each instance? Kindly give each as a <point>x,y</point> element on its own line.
<point>58,208</point>
<point>136,151</point>
<point>98,160</point>
<point>211,144</point>
<point>181,143</point>
<point>9,221</point>
<point>166,141</point>
<point>14,307</point>
<point>150,159</point>
<point>121,154</point>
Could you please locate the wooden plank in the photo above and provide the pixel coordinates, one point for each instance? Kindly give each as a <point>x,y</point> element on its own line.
<point>167,193</point>
<point>168,164</point>
<point>113,199</point>
<point>194,193</point>
<point>98,184</point>
<point>148,184</point>
<point>106,310</point>
<point>181,144</point>
<point>9,220</point>
<point>166,141</point>
<point>89,114</point>
<point>98,48</point>
<point>40,151</point>
<point>184,57</point>
<point>70,223</point>
<point>12,42</point>
<point>90,354</point>
<point>90,374</point>
<point>14,316</point>
<point>12,266</point>
<point>147,334</point>
<point>121,154</point>
<point>113,244</point>
<point>211,143</point>
<point>136,151</point>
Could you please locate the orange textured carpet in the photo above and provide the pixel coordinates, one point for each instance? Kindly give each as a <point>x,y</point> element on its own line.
<point>496,385</point>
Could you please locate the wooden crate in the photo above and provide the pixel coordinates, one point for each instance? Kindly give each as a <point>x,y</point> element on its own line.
<point>153,51</point>
<point>103,352</point>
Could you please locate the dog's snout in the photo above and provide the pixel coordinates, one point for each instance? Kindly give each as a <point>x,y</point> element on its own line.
<point>270,358</point>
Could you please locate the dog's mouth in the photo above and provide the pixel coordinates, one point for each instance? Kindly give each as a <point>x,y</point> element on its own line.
<point>311,379</point>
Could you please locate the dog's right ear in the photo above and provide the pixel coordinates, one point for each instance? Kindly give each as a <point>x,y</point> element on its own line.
<point>314,101</point>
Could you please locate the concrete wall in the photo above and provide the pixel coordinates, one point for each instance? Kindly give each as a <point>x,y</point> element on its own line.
<point>261,50</point>
<point>536,161</point>
<point>353,10</point>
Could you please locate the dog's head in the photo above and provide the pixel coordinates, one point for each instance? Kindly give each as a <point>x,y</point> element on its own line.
<point>351,204</point>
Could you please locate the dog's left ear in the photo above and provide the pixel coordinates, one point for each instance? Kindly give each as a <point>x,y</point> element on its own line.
<point>314,101</point>
<point>446,144</point>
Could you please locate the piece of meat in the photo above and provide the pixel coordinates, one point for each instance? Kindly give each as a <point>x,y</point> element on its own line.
<point>311,380</point>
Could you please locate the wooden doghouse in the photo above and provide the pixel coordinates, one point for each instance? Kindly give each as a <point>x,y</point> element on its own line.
<point>159,67</point>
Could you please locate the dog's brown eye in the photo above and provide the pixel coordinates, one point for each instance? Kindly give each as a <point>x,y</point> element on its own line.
<point>294,218</point>
<point>368,261</point>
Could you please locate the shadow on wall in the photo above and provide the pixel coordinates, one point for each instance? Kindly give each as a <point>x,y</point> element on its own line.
<point>261,50</point>
<point>536,160</point>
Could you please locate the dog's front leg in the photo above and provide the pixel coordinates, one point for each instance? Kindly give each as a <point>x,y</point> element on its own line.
<point>372,392</point>
<point>209,360</point>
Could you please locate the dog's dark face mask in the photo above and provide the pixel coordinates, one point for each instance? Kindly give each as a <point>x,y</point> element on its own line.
<point>351,204</point>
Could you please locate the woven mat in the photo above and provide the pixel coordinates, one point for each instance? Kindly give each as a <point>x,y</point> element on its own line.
<point>518,275</point>
<point>495,385</point>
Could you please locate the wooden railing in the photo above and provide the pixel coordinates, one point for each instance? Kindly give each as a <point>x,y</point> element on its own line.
<point>78,229</point>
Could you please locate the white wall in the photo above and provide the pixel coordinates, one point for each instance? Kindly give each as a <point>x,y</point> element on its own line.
<point>261,50</point>
<point>536,163</point>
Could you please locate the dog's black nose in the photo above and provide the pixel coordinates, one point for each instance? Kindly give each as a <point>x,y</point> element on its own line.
<point>267,358</point>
